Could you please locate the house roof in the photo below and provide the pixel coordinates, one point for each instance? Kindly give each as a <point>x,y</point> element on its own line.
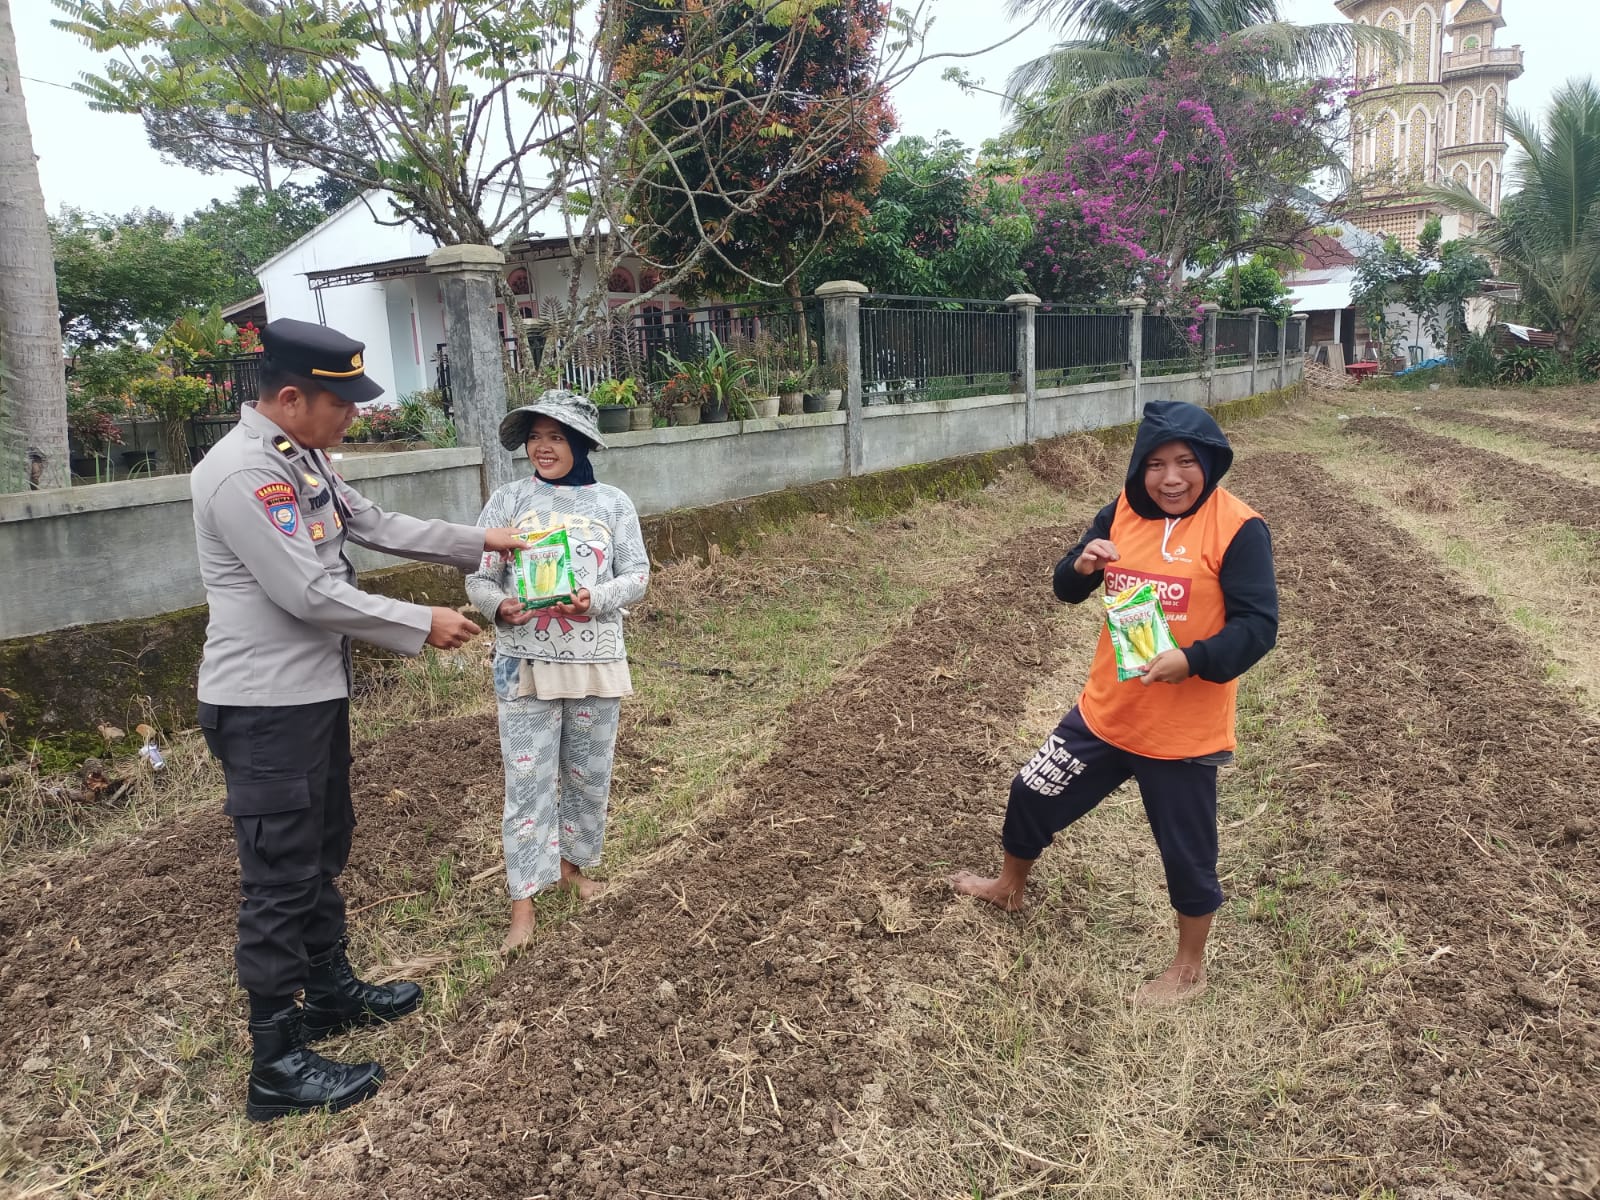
<point>1323,252</point>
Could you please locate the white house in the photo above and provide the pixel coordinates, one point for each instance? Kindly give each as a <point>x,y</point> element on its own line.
<point>369,279</point>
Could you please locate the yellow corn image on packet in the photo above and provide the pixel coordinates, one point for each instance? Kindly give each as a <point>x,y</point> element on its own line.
<point>543,572</point>
<point>1138,628</point>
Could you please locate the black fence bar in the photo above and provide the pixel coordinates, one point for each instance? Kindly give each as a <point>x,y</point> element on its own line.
<point>1296,342</point>
<point>919,349</point>
<point>785,334</point>
<point>1172,343</point>
<point>1233,339</point>
<point>1080,345</point>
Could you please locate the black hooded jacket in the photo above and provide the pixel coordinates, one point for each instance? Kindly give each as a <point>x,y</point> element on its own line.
<point>1249,585</point>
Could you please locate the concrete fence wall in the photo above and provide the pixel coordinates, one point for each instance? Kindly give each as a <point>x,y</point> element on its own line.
<point>119,550</point>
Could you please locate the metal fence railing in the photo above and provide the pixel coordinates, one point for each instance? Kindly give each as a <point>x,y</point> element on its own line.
<point>914,348</point>
<point>1233,339</point>
<point>1080,345</point>
<point>781,336</point>
<point>1172,343</point>
<point>233,381</point>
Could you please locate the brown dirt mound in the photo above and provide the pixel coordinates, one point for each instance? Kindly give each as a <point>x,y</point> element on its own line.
<point>708,1038</point>
<point>124,924</point>
<point>1457,793</point>
<point>1542,495</point>
<point>1528,431</point>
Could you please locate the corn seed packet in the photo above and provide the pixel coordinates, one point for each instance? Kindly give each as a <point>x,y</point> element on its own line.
<point>1138,628</point>
<point>543,571</point>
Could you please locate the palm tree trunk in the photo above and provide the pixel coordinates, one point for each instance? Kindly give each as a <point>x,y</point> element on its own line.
<point>35,416</point>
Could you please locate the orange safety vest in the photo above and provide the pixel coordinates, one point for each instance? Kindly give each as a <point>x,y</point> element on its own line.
<point>1168,720</point>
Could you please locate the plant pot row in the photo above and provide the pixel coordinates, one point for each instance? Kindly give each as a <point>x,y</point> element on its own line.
<point>620,418</point>
<point>788,404</point>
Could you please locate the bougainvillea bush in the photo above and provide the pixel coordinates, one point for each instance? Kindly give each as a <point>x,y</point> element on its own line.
<point>1205,165</point>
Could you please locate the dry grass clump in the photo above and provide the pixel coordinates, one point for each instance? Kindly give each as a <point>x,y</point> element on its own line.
<point>1075,462</point>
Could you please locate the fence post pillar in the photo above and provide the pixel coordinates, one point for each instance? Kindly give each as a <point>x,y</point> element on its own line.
<point>1136,307</point>
<point>1283,354</point>
<point>1209,312</point>
<point>467,277</point>
<point>1024,304</point>
<point>1255,344</point>
<point>841,339</point>
<point>1300,319</point>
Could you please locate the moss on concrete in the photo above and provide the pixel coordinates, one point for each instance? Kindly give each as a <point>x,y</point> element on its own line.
<point>68,683</point>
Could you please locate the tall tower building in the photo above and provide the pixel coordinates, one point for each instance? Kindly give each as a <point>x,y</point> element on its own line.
<point>1433,115</point>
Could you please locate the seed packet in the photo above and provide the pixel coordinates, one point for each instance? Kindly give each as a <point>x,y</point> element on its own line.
<point>1138,628</point>
<point>544,571</point>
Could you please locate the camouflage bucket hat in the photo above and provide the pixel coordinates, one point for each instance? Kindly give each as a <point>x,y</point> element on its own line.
<point>576,412</point>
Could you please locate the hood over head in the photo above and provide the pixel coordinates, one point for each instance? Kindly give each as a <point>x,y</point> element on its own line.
<point>1176,421</point>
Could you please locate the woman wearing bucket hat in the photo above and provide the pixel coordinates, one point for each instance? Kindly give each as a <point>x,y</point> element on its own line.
<point>559,672</point>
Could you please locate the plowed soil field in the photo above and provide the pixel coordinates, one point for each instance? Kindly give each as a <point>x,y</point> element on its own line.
<point>714,1027</point>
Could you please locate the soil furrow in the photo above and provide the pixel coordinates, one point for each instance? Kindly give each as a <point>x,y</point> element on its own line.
<point>1542,495</point>
<point>127,922</point>
<point>1458,793</point>
<point>1527,431</point>
<point>710,1037</point>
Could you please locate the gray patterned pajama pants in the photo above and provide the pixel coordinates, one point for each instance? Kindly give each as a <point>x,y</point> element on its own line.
<point>558,780</point>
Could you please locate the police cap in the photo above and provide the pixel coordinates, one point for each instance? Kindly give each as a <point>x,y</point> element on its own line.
<point>323,355</point>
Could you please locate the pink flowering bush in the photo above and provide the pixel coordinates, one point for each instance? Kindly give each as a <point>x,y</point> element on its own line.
<point>1204,164</point>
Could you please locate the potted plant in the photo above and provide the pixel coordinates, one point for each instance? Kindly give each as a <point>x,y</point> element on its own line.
<point>723,378</point>
<point>642,415</point>
<point>360,430</point>
<point>791,386</point>
<point>829,382</point>
<point>683,396</point>
<point>385,423</point>
<point>615,398</point>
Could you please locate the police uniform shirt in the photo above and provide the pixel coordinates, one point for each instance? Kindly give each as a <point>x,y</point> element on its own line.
<point>271,519</point>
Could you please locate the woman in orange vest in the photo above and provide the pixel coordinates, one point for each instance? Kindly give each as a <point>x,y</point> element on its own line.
<point>1209,556</point>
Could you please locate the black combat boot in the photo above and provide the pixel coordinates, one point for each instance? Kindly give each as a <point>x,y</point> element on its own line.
<point>336,1000</point>
<point>287,1078</point>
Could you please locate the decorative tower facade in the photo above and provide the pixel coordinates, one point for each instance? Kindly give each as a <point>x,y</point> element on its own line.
<point>1435,114</point>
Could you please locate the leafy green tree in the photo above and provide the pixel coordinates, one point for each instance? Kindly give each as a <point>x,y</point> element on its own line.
<point>1432,286</point>
<point>484,122</point>
<point>119,277</point>
<point>1547,235</point>
<point>250,228</point>
<point>936,227</point>
<point>215,132</point>
<point>793,72</point>
<point>1253,284</point>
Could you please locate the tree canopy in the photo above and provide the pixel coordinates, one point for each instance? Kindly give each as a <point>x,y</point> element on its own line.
<point>1204,168</point>
<point>936,226</point>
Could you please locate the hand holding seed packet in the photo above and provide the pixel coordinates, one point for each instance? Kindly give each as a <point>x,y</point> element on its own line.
<point>543,572</point>
<point>1138,628</point>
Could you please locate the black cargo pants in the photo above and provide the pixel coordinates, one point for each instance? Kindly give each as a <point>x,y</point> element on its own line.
<point>288,773</point>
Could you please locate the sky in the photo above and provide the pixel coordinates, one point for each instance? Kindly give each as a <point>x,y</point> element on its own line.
<point>102,163</point>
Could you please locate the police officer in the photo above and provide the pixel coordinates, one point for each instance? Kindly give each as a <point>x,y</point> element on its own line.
<point>271,520</point>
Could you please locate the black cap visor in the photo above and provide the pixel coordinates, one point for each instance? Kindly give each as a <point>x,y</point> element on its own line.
<point>356,390</point>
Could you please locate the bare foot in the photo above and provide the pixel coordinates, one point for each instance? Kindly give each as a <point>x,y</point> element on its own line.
<point>998,892</point>
<point>522,921</point>
<point>574,880</point>
<point>1178,984</point>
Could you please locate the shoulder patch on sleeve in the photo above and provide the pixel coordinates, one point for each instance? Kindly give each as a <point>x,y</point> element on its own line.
<point>281,505</point>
